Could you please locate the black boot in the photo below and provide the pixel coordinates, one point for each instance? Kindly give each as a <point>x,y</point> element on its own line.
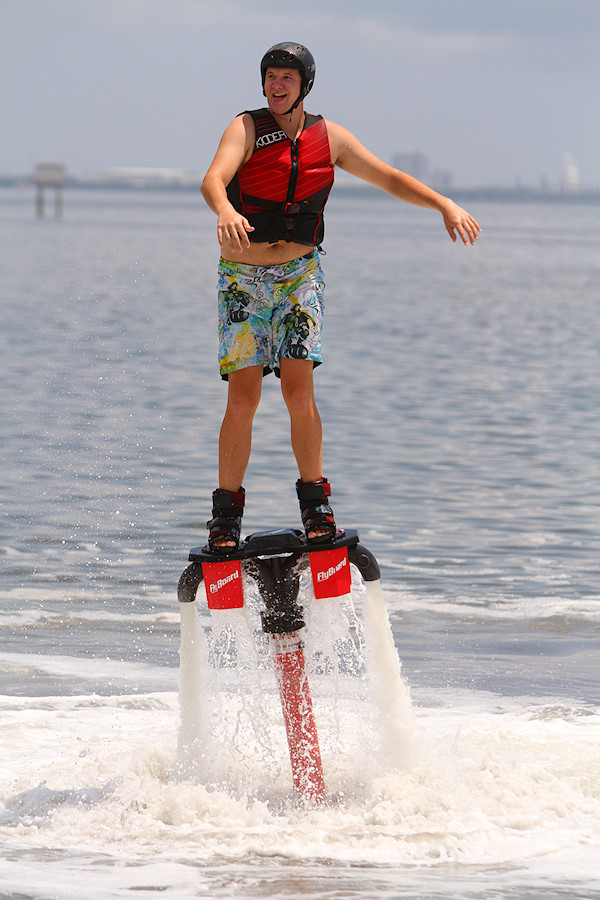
<point>225,526</point>
<point>317,514</point>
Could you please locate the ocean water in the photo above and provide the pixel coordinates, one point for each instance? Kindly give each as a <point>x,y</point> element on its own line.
<point>459,397</point>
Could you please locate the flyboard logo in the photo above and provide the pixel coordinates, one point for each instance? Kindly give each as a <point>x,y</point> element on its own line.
<point>330,573</point>
<point>332,570</point>
<point>273,137</point>
<point>216,586</point>
<point>223,581</point>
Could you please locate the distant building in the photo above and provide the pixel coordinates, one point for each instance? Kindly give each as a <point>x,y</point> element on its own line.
<point>146,176</point>
<point>415,163</point>
<point>441,180</point>
<point>570,182</point>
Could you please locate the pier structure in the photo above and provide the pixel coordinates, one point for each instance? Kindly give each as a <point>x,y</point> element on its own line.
<point>49,175</point>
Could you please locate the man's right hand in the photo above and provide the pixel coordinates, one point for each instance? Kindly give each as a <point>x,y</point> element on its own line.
<point>233,229</point>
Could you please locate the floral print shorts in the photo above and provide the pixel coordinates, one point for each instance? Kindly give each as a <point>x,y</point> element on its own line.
<point>269,312</point>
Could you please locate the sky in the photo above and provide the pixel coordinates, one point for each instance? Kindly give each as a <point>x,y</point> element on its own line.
<point>495,91</point>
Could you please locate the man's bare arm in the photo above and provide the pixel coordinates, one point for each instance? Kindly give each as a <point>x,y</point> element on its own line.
<point>234,149</point>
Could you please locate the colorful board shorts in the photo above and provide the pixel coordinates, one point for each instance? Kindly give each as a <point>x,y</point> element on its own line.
<point>269,312</point>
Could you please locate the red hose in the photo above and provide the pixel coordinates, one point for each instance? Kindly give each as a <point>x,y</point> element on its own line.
<point>296,703</point>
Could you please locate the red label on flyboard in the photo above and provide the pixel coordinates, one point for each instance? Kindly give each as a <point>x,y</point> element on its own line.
<point>330,572</point>
<point>223,582</point>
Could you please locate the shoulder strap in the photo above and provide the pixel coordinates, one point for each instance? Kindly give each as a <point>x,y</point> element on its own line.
<point>311,119</point>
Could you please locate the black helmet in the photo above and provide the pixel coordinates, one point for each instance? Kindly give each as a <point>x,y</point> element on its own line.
<point>289,55</point>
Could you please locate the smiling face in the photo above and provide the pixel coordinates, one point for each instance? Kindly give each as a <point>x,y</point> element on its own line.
<point>282,89</point>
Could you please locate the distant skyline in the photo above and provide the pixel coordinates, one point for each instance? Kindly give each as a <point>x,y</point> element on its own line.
<point>497,92</point>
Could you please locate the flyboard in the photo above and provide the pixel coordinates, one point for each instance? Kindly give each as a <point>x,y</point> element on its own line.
<point>275,560</point>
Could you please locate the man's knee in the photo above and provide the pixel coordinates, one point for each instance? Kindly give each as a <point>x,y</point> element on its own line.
<point>298,390</point>
<point>244,391</point>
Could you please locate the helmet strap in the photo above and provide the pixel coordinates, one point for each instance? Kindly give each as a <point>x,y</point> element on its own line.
<point>289,112</point>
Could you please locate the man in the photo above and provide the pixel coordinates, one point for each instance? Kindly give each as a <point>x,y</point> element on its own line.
<point>268,185</point>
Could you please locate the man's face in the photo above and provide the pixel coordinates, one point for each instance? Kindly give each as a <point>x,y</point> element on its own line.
<point>282,89</point>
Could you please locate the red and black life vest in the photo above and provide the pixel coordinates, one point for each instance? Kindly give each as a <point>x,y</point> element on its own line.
<point>283,188</point>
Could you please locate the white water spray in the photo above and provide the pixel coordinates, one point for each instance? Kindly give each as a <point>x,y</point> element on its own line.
<point>210,746</point>
<point>193,675</point>
<point>390,691</point>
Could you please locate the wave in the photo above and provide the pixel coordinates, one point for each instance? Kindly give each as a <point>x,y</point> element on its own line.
<point>41,618</point>
<point>491,785</point>
<point>110,672</point>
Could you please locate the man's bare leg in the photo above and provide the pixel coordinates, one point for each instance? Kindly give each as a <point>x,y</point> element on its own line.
<point>306,430</point>
<point>235,441</point>
<point>235,438</point>
<point>307,435</point>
